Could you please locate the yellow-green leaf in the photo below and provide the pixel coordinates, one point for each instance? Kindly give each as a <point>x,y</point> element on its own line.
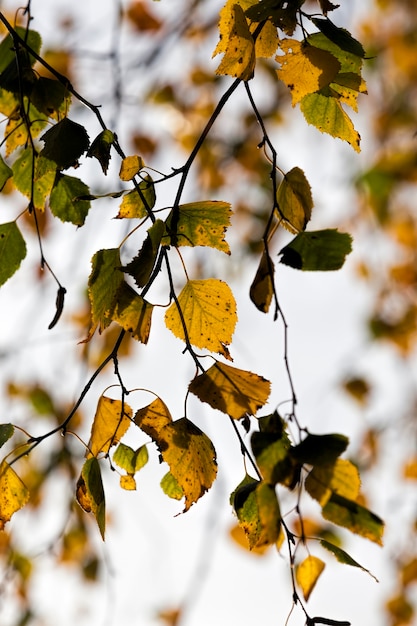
<point>132,312</point>
<point>131,165</point>
<point>295,202</point>
<point>341,477</point>
<point>90,492</point>
<point>304,68</point>
<point>103,284</point>
<point>208,311</point>
<point>12,250</point>
<point>326,114</point>
<point>130,460</point>
<point>239,54</point>
<point>307,574</point>
<point>111,421</point>
<point>258,512</point>
<point>13,493</point>
<point>171,488</point>
<point>16,131</point>
<point>344,557</point>
<point>5,173</point>
<point>233,391</point>
<point>34,180</point>
<point>138,203</point>
<point>353,516</point>
<point>199,224</point>
<point>66,201</point>
<point>187,450</point>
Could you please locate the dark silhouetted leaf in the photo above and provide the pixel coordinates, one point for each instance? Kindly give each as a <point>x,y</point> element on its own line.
<point>65,143</point>
<point>320,250</point>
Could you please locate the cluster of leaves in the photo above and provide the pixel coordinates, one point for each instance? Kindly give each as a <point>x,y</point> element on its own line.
<point>322,71</point>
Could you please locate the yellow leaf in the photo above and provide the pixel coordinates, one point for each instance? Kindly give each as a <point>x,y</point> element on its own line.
<point>137,204</point>
<point>109,425</point>
<point>133,313</point>
<point>187,450</point>
<point>349,85</point>
<point>305,69</point>
<point>236,392</point>
<point>294,199</point>
<point>239,53</point>
<point>131,166</point>
<point>128,482</point>
<point>209,313</point>
<point>199,224</point>
<point>226,22</point>
<point>341,478</point>
<point>13,493</point>
<point>307,574</point>
<point>239,536</point>
<point>267,41</point>
<point>155,416</point>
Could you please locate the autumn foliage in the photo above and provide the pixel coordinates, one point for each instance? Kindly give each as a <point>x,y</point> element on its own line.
<point>47,152</point>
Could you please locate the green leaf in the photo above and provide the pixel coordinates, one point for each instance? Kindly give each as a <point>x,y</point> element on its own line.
<point>103,284</point>
<point>5,173</point>
<point>16,73</point>
<point>272,449</point>
<point>320,449</point>
<point>7,47</point>
<point>65,200</point>
<point>354,517</point>
<point>320,250</point>
<point>36,180</point>
<point>294,199</point>
<point>199,224</point>
<point>130,460</point>
<point>257,509</point>
<point>50,97</point>
<point>90,492</point>
<point>100,149</point>
<point>273,458</point>
<point>343,557</point>
<point>141,266</point>
<point>348,62</point>
<point>339,36</point>
<point>12,250</point>
<point>65,143</point>
<point>6,432</point>
<point>137,204</point>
